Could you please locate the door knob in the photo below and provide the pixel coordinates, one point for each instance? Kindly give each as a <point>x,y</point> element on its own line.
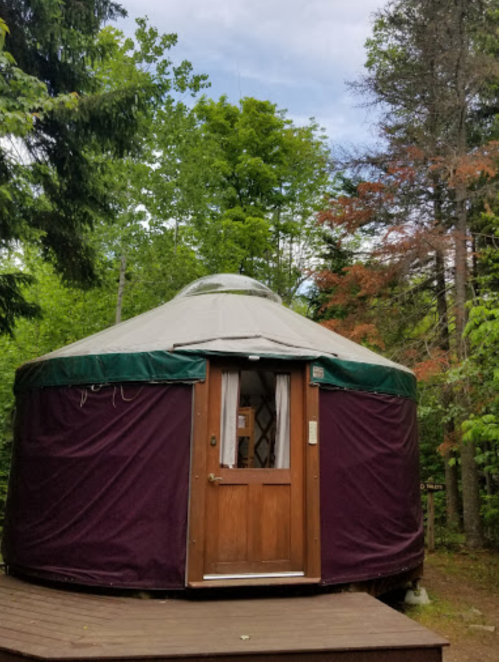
<point>212,478</point>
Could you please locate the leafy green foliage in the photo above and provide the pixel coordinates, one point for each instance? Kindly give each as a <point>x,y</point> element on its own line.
<point>55,116</point>
<point>141,243</point>
<point>262,180</point>
<point>11,291</point>
<point>482,424</point>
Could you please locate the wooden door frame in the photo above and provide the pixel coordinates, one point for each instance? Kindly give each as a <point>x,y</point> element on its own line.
<point>200,439</point>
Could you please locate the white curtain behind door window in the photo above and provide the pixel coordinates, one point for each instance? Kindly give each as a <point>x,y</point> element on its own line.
<point>282,435</point>
<point>228,418</point>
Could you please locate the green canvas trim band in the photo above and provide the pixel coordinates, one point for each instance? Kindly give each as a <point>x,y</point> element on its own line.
<point>106,368</point>
<point>189,366</point>
<point>363,377</point>
<point>346,374</point>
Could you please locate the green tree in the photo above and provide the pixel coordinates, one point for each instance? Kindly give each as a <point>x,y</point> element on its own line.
<point>55,116</point>
<point>144,199</point>
<point>257,181</point>
<point>23,101</point>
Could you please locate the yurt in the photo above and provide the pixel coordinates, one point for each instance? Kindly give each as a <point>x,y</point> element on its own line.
<point>220,439</point>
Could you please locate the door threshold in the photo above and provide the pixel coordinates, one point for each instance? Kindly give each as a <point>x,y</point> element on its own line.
<point>248,582</point>
<point>254,575</point>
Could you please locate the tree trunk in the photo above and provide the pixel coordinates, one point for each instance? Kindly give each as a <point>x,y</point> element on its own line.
<point>121,288</point>
<point>461,270</point>
<point>474,257</point>
<point>452,496</point>
<point>469,471</point>
<point>471,497</point>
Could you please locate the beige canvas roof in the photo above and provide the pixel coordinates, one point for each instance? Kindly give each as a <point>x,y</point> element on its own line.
<point>230,320</point>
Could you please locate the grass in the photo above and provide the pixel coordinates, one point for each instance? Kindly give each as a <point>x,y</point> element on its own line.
<point>443,616</point>
<point>468,583</point>
<point>478,568</point>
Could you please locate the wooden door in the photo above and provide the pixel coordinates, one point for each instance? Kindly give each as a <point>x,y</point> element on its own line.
<point>263,525</point>
<point>254,515</point>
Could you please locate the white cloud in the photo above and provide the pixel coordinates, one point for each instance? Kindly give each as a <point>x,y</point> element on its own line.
<point>323,31</point>
<point>342,122</point>
<point>297,53</point>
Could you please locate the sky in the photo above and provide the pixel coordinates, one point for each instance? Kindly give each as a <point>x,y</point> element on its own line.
<point>296,53</point>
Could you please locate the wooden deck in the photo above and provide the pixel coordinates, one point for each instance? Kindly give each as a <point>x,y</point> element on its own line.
<point>40,622</point>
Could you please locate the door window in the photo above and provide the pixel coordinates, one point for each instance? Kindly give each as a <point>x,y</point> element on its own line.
<point>255,419</point>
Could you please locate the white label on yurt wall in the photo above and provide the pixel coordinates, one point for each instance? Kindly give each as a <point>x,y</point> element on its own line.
<point>317,372</point>
<point>312,432</point>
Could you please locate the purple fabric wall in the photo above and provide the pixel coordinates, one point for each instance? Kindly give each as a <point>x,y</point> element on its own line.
<point>99,485</point>
<point>371,519</point>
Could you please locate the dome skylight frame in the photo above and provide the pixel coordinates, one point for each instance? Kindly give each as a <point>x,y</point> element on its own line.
<point>228,284</point>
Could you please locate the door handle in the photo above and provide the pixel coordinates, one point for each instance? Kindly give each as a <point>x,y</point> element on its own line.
<point>212,478</point>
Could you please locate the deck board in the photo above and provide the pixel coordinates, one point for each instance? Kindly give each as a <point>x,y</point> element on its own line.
<point>59,625</point>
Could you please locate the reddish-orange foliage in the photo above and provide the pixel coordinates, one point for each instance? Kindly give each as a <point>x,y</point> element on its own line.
<point>354,290</point>
<point>409,244</point>
<point>351,213</point>
<point>405,246</point>
<point>356,282</point>
<point>402,173</point>
<point>371,190</point>
<point>415,154</point>
<point>404,168</point>
<point>449,443</point>
<point>353,330</point>
<point>435,365</point>
<point>468,169</point>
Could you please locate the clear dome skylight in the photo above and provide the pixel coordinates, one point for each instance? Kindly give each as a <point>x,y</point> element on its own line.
<point>229,284</point>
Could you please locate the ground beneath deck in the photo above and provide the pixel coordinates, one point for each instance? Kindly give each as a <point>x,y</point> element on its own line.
<point>47,623</point>
<point>464,589</point>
